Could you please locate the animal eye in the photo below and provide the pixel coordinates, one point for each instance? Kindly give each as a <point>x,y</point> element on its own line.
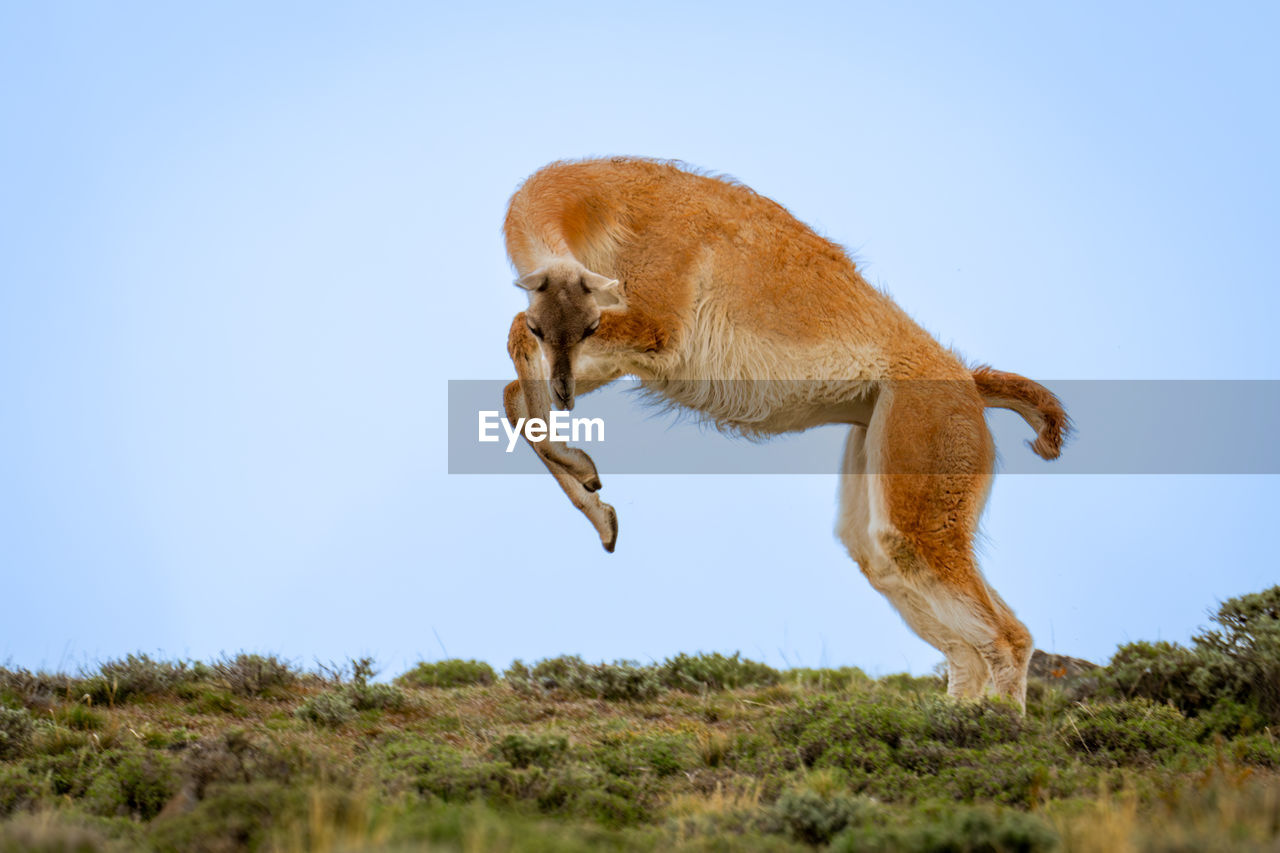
<point>537,333</point>
<point>591,330</point>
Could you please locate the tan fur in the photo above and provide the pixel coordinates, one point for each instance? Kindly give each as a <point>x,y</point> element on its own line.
<point>720,301</point>
<point>1032,401</point>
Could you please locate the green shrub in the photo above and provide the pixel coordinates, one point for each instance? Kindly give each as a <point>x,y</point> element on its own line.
<point>231,817</point>
<point>853,754</point>
<point>137,785</point>
<point>435,769</point>
<point>16,730</point>
<point>1161,671</point>
<point>327,709</point>
<point>1239,661</point>
<point>364,696</point>
<point>70,771</point>
<point>1016,774</point>
<point>533,771</point>
<point>1135,730</point>
<point>811,818</point>
<point>53,834</point>
<point>375,697</point>
<point>80,717</point>
<point>340,705</point>
<point>897,748</point>
<point>652,755</point>
<point>1259,750</point>
<point>23,688</point>
<point>925,757</point>
<point>968,723</point>
<point>609,805</point>
<point>758,754</point>
<point>136,675</point>
<point>664,755</point>
<point>621,680</point>
<point>842,678</point>
<point>854,734</point>
<point>1025,772</point>
<point>215,701</point>
<point>19,789</point>
<point>1244,656</point>
<point>1230,719</point>
<point>919,684</point>
<point>448,673</point>
<point>953,830</point>
<point>255,675</point>
<point>233,756</point>
<point>478,826</point>
<point>521,750</point>
<point>702,672</point>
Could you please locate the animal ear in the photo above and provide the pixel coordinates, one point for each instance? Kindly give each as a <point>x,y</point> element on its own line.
<point>535,280</point>
<point>606,291</point>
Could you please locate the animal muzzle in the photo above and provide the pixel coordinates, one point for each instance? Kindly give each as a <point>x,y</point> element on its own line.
<point>562,391</point>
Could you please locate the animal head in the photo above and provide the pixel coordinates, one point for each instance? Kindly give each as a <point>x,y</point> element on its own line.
<point>566,301</point>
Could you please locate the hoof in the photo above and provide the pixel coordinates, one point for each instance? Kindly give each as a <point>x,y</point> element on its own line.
<point>610,538</point>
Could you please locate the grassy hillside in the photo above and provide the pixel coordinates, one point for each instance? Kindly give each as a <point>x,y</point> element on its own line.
<point>1167,748</point>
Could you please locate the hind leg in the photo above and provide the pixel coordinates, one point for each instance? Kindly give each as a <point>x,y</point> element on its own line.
<point>929,446</point>
<point>861,509</point>
<point>936,457</point>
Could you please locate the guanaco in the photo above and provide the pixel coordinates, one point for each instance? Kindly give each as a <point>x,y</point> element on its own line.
<point>719,300</point>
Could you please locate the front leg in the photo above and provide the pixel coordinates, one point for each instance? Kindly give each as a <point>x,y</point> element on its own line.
<point>524,352</point>
<point>572,467</point>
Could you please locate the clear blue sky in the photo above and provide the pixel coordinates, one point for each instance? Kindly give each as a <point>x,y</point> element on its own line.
<point>243,248</point>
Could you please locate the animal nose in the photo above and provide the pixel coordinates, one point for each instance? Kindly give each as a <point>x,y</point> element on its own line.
<point>563,391</point>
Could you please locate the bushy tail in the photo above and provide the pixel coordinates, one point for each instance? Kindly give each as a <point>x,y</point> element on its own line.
<point>1036,403</point>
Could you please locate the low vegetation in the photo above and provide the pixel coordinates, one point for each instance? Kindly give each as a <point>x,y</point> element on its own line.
<point>1166,748</point>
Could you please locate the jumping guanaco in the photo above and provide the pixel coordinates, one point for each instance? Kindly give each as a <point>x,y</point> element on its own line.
<point>718,299</point>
